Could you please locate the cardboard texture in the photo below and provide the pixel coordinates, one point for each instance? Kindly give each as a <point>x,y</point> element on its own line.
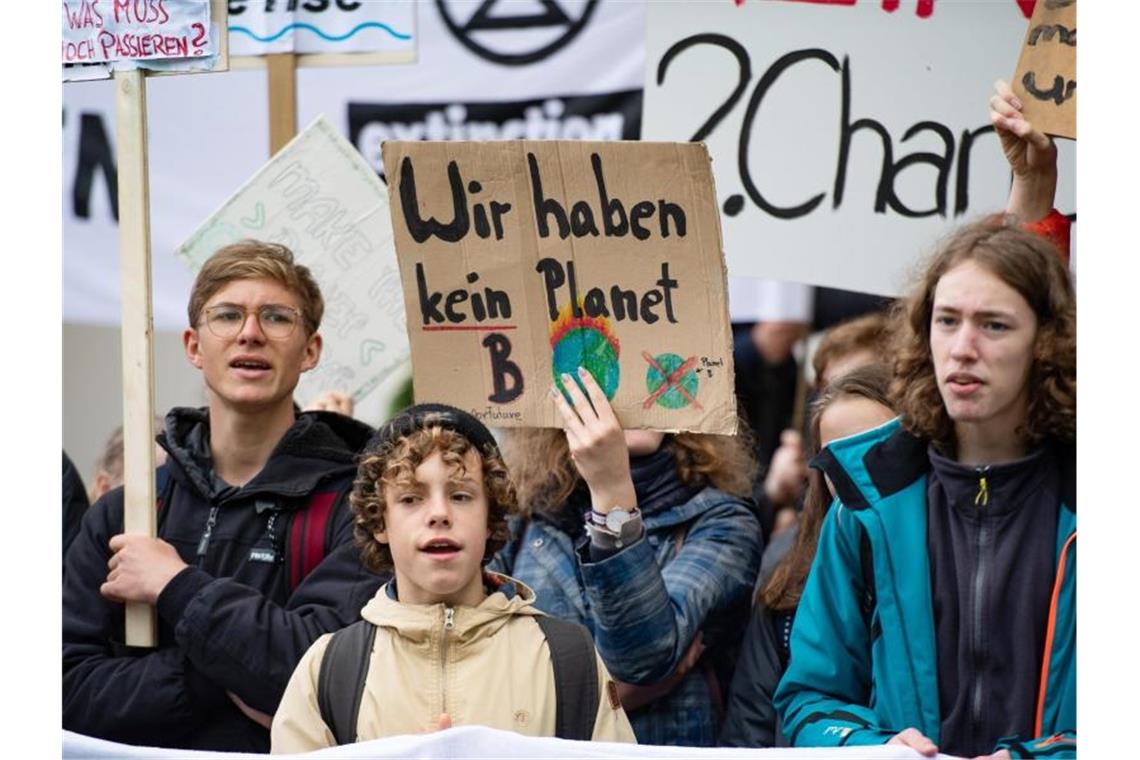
<point>318,197</point>
<point>524,259</point>
<point>1046,77</point>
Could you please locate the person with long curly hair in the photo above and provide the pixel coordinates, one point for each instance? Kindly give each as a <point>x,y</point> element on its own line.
<point>961,638</point>
<point>648,539</point>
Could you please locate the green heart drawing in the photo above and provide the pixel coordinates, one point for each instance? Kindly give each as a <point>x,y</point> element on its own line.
<point>257,221</point>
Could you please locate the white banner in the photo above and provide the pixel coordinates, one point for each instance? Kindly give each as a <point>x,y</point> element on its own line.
<point>577,74</point>
<point>481,742</point>
<point>846,137</point>
<point>258,27</point>
<point>319,198</point>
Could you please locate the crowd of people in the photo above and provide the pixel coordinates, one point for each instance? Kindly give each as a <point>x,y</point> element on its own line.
<point>907,578</point>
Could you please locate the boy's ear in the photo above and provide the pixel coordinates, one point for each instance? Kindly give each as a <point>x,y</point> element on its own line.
<point>381,536</point>
<point>312,352</point>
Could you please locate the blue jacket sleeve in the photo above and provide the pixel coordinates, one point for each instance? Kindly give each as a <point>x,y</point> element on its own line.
<point>249,644</point>
<point>824,695</point>
<point>645,616</point>
<point>108,691</point>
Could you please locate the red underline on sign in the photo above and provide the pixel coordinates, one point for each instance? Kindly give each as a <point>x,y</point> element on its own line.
<point>467,328</point>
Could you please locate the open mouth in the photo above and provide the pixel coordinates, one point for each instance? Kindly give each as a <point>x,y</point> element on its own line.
<point>441,546</point>
<point>250,364</point>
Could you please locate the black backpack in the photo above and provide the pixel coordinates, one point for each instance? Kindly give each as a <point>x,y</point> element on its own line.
<point>344,668</point>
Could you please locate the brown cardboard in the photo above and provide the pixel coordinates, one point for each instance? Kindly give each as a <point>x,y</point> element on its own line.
<point>677,280</point>
<point>1046,78</point>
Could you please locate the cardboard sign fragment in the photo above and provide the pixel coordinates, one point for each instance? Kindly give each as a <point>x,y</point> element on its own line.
<point>318,197</point>
<point>1046,77</point>
<point>523,260</point>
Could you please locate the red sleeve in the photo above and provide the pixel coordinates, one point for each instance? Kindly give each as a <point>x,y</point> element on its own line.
<point>1056,227</point>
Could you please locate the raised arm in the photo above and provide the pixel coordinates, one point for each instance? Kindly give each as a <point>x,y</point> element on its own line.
<point>645,617</point>
<point>1031,155</point>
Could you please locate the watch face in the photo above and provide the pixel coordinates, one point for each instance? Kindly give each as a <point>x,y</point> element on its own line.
<point>617,518</point>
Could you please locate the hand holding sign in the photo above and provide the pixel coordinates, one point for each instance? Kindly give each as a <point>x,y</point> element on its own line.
<point>597,443</point>
<point>1031,155</point>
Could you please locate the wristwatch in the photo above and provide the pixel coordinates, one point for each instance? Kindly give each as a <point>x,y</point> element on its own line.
<point>615,529</point>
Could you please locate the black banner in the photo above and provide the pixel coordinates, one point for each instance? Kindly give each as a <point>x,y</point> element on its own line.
<point>609,116</point>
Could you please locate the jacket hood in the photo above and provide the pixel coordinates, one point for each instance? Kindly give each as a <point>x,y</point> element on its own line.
<point>418,623</point>
<point>879,462</point>
<point>319,445</point>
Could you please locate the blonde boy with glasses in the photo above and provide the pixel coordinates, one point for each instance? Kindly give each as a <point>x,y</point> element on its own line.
<point>254,557</point>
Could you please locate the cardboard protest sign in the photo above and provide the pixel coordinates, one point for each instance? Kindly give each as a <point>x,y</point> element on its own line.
<point>318,197</point>
<point>524,260</point>
<point>324,26</point>
<point>847,137</point>
<point>1046,77</point>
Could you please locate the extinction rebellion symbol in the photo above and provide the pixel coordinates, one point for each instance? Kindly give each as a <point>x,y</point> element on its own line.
<point>492,31</point>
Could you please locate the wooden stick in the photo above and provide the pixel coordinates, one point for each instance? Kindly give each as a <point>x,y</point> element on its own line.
<point>137,330</point>
<point>282,69</point>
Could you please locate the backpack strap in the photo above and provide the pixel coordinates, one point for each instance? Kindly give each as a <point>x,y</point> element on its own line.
<point>575,677</point>
<point>308,535</point>
<point>164,492</point>
<point>340,685</point>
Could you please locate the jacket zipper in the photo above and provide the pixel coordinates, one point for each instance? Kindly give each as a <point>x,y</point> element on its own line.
<point>982,500</point>
<point>204,541</point>
<point>448,624</point>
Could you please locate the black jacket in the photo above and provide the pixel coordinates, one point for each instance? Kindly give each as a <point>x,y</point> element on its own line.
<point>229,622</point>
<point>74,502</point>
<point>992,538</point>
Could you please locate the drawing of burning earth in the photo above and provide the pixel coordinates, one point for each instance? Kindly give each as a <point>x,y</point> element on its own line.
<point>585,341</point>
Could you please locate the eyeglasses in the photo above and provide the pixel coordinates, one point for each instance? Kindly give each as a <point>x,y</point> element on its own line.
<point>227,320</point>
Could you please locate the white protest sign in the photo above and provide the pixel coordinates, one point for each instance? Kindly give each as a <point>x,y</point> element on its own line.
<point>846,138</point>
<point>318,197</point>
<point>258,27</point>
<point>170,36</point>
<point>97,31</point>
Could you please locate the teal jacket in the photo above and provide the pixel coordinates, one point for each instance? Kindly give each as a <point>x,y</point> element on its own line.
<point>864,663</point>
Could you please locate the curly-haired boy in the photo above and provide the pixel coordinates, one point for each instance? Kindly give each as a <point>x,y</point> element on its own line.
<point>452,643</point>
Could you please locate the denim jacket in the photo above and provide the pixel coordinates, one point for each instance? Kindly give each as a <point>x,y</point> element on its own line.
<point>646,603</point>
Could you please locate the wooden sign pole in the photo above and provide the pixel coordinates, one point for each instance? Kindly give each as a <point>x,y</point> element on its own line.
<point>282,70</point>
<point>137,330</point>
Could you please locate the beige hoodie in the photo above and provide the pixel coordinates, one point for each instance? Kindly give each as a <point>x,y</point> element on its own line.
<point>490,668</point>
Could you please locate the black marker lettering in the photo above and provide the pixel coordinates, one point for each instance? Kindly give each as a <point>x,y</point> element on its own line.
<point>503,370</point>
<point>544,206</point>
<point>1058,94</point>
<point>429,302</point>
<point>421,229</point>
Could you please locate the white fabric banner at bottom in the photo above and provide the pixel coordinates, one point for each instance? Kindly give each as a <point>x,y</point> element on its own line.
<point>482,742</point>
